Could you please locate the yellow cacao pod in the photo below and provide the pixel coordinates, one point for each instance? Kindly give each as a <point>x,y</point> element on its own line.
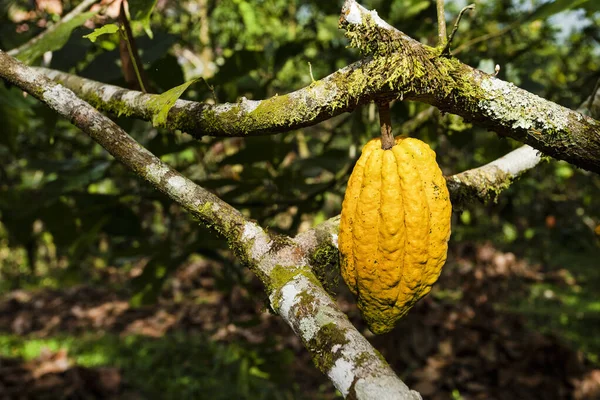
<point>394,229</point>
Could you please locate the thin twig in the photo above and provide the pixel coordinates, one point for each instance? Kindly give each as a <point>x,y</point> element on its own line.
<point>212,90</point>
<point>441,20</point>
<point>132,56</point>
<point>593,96</point>
<point>128,41</point>
<point>312,78</point>
<point>485,37</point>
<point>446,50</point>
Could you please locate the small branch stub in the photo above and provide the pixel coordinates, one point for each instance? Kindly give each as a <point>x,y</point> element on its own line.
<point>385,120</point>
<point>441,19</point>
<point>446,49</point>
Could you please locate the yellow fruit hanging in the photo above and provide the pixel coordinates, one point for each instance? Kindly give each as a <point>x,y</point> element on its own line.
<point>394,229</point>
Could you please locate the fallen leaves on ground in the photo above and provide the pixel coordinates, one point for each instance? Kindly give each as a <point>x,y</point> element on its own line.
<point>454,342</point>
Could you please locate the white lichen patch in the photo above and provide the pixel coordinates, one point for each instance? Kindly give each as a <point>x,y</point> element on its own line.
<point>89,87</point>
<point>290,297</point>
<point>178,183</point>
<point>315,95</point>
<point>380,389</point>
<point>155,172</point>
<point>130,97</point>
<point>517,161</point>
<point>287,299</point>
<point>308,327</point>
<point>520,109</point>
<point>334,239</point>
<point>51,73</point>
<point>354,14</point>
<point>108,92</point>
<point>223,108</point>
<point>261,243</point>
<point>24,75</point>
<point>60,99</point>
<point>342,375</point>
<point>357,358</point>
<point>249,105</point>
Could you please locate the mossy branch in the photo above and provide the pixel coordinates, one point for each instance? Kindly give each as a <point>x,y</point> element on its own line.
<point>398,67</point>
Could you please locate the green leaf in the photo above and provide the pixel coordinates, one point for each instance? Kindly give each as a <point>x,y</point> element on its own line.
<point>163,103</point>
<point>555,7</point>
<point>53,39</point>
<point>105,30</point>
<point>141,10</point>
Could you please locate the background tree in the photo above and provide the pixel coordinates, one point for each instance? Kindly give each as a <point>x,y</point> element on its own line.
<point>72,214</point>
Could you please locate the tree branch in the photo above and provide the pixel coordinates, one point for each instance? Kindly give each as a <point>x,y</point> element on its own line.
<point>459,89</point>
<point>489,180</point>
<point>408,70</point>
<point>282,264</point>
<point>591,106</point>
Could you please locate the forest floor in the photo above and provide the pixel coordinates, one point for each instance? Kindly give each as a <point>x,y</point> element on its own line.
<point>489,330</point>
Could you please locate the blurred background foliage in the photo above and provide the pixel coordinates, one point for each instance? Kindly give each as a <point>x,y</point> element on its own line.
<point>70,215</point>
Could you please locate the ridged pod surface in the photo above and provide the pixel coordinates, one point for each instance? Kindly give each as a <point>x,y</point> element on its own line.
<point>394,229</point>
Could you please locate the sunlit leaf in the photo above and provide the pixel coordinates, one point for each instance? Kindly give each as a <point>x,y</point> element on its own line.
<point>105,30</point>
<point>163,103</point>
<point>53,39</point>
<point>555,7</point>
<point>141,10</point>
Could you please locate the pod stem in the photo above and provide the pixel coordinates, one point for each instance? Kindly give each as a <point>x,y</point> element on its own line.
<point>385,120</point>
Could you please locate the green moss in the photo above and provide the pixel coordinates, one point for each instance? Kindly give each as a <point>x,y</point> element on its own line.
<point>214,121</point>
<point>482,185</point>
<point>325,262</point>
<point>363,358</point>
<point>380,356</point>
<point>206,213</point>
<point>403,65</point>
<point>113,106</point>
<point>278,241</point>
<point>370,39</point>
<point>307,305</point>
<point>322,344</point>
<point>183,120</point>
<point>205,209</point>
<point>281,275</point>
<point>277,111</point>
